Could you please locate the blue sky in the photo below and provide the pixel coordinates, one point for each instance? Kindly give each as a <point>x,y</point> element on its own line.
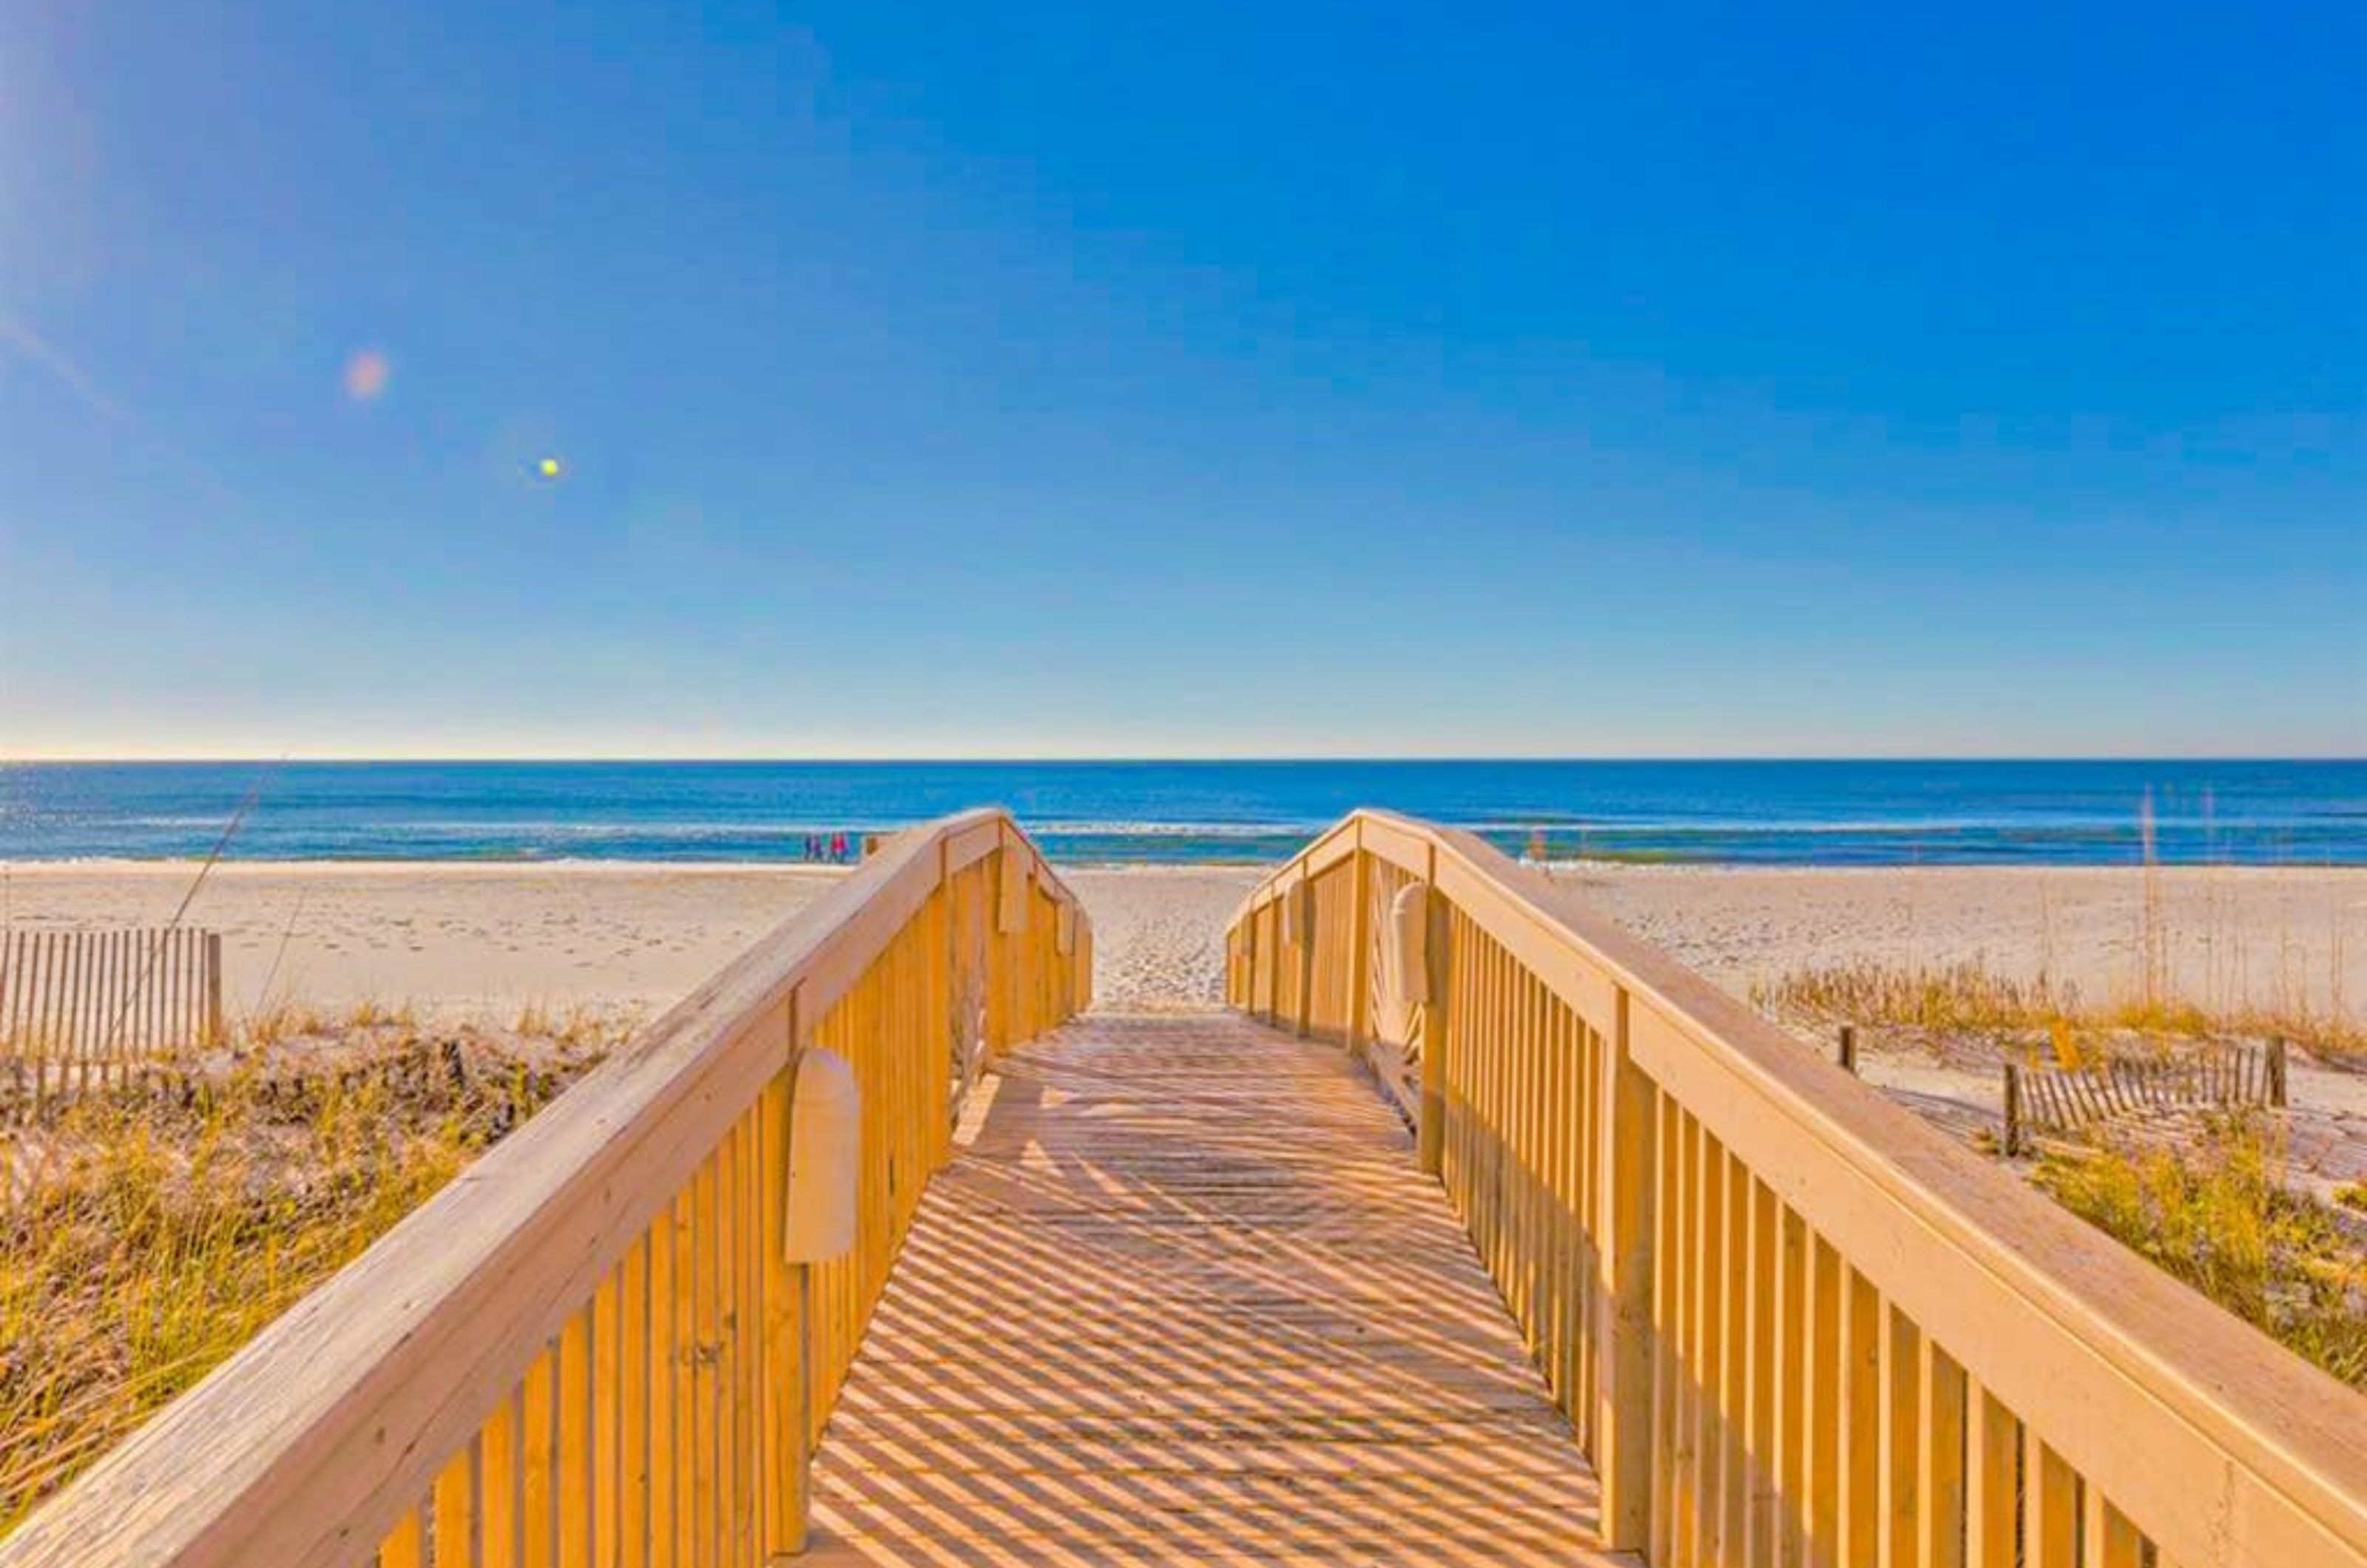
<point>1258,379</point>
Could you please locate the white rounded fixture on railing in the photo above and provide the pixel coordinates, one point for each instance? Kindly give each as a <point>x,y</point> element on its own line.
<point>1407,954</point>
<point>825,1158</point>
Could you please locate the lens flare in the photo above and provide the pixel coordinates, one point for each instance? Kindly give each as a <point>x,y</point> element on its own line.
<point>549,468</point>
<point>366,375</point>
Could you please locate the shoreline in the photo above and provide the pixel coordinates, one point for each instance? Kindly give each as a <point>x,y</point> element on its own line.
<point>159,864</point>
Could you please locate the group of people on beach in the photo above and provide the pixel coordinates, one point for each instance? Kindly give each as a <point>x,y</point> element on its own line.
<point>835,849</point>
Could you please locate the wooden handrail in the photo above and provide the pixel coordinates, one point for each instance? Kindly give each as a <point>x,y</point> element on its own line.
<point>1790,1320</point>
<point>469,1381</point>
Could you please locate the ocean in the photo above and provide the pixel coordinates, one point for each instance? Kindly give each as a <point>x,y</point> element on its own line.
<point>1770,812</point>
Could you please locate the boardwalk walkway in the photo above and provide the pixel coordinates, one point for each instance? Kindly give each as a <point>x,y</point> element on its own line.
<point>1184,1298</point>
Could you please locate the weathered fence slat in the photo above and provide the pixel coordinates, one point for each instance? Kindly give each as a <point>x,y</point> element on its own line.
<point>2070,1100</point>
<point>80,1009</point>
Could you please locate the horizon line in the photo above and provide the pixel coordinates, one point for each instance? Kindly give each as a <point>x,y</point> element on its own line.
<point>852,758</point>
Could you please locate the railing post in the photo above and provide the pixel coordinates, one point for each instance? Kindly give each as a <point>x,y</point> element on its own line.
<point>785,1347</point>
<point>1360,956</point>
<point>1249,961</point>
<point>1623,1328</point>
<point>1304,891</point>
<point>1430,1131</point>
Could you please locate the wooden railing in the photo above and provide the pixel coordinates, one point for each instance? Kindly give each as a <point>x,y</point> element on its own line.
<point>588,1349</point>
<point>1789,1323</point>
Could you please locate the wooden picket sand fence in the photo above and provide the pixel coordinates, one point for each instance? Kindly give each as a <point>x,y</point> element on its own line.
<point>1645,1283</point>
<point>92,1009</point>
<point>2069,1101</point>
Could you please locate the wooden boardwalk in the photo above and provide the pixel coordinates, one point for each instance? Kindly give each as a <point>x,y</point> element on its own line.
<point>1182,1297</point>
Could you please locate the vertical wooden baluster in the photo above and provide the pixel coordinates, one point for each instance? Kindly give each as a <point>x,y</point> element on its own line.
<point>1521,1097</point>
<point>744,1332</point>
<point>1822,1482</point>
<point>1560,1267</point>
<point>405,1545</point>
<point>726,1285</point>
<point>1686,1458</point>
<point>1758,1395</point>
<point>1795,1302</point>
<point>1860,1412</point>
<point>748,1465</point>
<point>607,1418</point>
<point>455,1509</point>
<point>572,1464</point>
<point>750,1434</point>
<point>1940,1459</point>
<point>1898,1438</point>
<point>787,1372</point>
<point>1668,1315</point>
<point>1709,1381</point>
<point>682,1375</point>
<point>1589,1241</point>
<point>1499,1099</point>
<point>1734,1399</point>
<point>500,1516</point>
<point>2107,1539</point>
<point>1993,1482</point>
<point>704,1490</point>
<point>2050,1531</point>
<point>537,1452</point>
<point>648,1403</point>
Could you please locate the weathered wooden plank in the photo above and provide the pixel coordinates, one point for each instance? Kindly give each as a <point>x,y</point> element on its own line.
<point>1188,1298</point>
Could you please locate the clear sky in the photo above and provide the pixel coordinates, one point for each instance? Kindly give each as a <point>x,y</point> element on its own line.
<point>1211,378</point>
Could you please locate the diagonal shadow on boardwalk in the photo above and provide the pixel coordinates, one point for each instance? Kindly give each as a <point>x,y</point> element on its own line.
<point>1185,1298</point>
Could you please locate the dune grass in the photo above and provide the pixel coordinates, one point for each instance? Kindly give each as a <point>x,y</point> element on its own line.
<point>2213,1208</point>
<point>2217,1211</point>
<point>146,1235</point>
<point>1971,998</point>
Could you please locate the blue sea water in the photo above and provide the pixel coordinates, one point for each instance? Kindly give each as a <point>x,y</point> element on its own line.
<point>1839,813</point>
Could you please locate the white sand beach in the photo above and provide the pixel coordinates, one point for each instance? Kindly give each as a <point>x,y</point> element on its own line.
<point>459,939</point>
